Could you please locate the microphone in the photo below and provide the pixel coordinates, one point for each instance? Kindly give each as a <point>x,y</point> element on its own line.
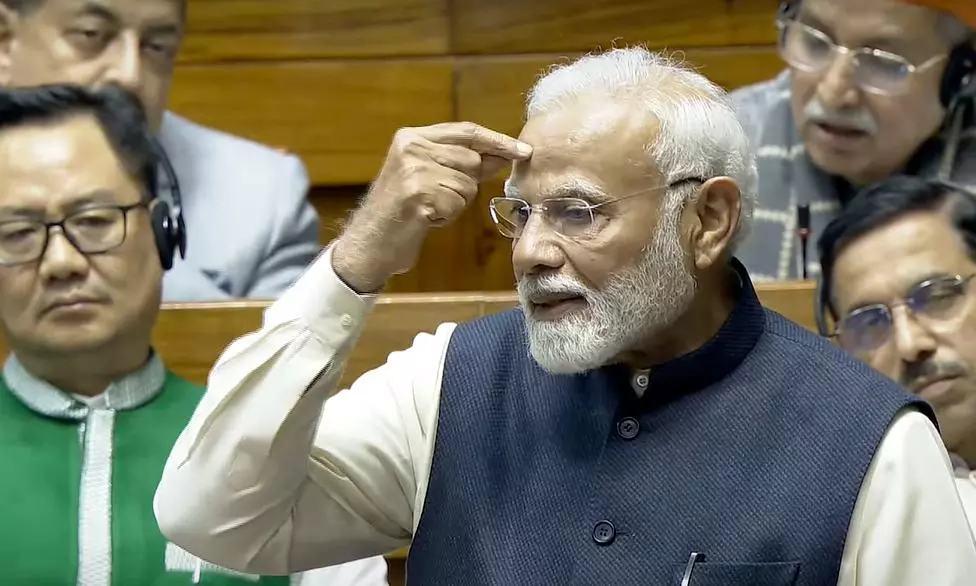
<point>803,233</point>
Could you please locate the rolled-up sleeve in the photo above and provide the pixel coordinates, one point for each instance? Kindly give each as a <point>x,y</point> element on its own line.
<point>276,472</point>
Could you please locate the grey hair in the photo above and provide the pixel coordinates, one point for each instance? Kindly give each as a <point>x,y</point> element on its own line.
<point>700,135</point>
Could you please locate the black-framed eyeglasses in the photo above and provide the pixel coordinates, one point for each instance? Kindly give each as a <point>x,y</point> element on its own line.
<point>572,217</point>
<point>92,230</point>
<point>876,71</point>
<point>867,328</point>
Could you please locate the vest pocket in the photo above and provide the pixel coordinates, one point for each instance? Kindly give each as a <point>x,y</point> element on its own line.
<point>735,574</point>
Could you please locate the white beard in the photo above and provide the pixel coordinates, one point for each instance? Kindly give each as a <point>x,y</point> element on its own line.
<point>636,305</point>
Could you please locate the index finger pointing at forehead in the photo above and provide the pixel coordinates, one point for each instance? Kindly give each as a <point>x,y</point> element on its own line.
<point>479,139</point>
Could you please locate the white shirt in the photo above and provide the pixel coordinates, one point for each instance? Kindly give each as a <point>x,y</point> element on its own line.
<point>271,477</point>
<point>370,571</point>
<point>966,485</point>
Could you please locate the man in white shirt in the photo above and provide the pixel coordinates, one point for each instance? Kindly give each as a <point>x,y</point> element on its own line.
<point>899,263</point>
<point>641,419</point>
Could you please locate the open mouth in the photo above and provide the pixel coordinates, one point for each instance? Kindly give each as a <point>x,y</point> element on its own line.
<point>838,135</point>
<point>556,306</point>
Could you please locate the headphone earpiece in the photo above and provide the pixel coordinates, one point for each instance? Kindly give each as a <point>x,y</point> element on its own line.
<point>960,66</point>
<point>164,231</point>
<point>169,227</point>
<point>180,236</point>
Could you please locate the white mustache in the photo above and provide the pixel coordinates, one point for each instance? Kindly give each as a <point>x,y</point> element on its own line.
<point>530,288</point>
<point>859,119</point>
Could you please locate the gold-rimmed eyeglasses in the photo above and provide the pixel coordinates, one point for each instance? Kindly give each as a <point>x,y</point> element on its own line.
<point>880,72</point>
<point>867,328</point>
<point>572,217</point>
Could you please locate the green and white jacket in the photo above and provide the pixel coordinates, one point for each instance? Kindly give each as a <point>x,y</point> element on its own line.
<point>79,477</point>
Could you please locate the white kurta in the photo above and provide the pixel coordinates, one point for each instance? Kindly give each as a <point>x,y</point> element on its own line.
<point>258,482</point>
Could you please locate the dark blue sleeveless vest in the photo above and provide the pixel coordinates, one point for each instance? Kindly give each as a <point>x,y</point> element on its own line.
<point>751,451</point>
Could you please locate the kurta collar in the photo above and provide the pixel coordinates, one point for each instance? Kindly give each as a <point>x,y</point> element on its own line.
<point>129,392</point>
<point>719,356</point>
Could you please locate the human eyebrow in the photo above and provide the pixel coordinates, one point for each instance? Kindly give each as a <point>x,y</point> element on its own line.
<point>10,213</point>
<point>170,30</point>
<point>579,189</point>
<point>96,10</point>
<point>814,23</point>
<point>94,198</point>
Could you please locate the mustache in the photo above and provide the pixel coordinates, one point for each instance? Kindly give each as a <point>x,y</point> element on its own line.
<point>530,287</point>
<point>919,374</point>
<point>851,119</point>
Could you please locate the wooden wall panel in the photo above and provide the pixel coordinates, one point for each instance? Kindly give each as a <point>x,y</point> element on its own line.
<point>539,26</point>
<point>339,116</point>
<point>491,91</point>
<point>220,30</point>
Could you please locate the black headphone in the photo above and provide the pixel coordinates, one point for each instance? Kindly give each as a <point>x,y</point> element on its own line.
<point>168,225</point>
<point>960,65</point>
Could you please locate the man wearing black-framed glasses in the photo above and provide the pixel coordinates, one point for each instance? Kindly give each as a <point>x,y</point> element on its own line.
<point>90,229</point>
<point>868,93</point>
<point>899,266</point>
<point>88,411</point>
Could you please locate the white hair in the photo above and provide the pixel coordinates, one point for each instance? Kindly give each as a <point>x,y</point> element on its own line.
<point>699,136</point>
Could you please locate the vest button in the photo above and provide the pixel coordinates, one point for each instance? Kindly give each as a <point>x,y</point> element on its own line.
<point>604,533</point>
<point>628,428</point>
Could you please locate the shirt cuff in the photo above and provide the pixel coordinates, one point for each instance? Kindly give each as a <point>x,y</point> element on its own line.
<point>329,308</point>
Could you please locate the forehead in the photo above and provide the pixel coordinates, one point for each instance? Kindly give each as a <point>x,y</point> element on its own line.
<point>600,142</point>
<point>887,261</point>
<point>855,20</point>
<point>45,166</point>
<point>125,11</point>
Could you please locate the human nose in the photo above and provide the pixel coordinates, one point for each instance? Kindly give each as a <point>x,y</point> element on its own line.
<point>535,249</point>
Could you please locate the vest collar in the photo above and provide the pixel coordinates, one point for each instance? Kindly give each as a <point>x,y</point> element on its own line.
<point>129,392</point>
<point>718,357</point>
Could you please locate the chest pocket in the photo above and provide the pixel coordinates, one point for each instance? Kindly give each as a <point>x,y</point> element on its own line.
<point>732,574</point>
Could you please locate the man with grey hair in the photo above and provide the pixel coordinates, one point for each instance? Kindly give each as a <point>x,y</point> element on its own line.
<point>640,419</point>
<point>869,93</point>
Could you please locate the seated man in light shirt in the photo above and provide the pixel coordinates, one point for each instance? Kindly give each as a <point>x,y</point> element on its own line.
<point>88,411</point>
<point>898,267</point>
<point>640,419</point>
<point>247,214</point>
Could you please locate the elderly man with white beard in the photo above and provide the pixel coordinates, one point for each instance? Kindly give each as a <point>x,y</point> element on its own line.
<point>639,419</point>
